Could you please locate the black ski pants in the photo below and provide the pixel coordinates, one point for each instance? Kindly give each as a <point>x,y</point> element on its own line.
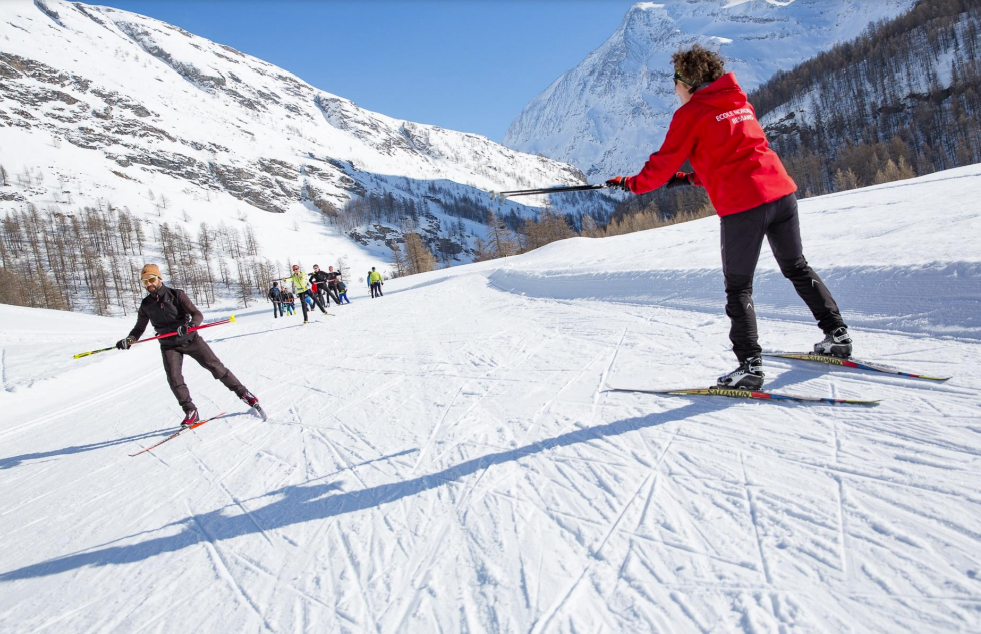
<point>277,308</point>
<point>742,238</point>
<point>376,287</point>
<point>332,295</point>
<point>316,300</point>
<point>197,349</point>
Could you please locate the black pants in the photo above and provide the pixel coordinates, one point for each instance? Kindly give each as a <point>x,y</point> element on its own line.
<point>376,287</point>
<point>742,237</point>
<point>277,308</point>
<point>197,349</point>
<point>316,299</point>
<point>332,295</point>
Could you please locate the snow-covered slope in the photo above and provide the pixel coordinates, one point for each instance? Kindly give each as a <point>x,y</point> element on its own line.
<point>445,458</point>
<point>102,104</point>
<point>611,111</point>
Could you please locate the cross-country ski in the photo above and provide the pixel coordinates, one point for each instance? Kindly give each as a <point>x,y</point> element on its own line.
<point>182,430</point>
<point>754,395</point>
<point>853,364</point>
<point>490,317</point>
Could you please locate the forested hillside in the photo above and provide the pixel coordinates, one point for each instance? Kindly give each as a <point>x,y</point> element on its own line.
<point>903,99</point>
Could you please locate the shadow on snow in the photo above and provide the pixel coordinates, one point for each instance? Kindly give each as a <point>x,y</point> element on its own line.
<point>13,461</point>
<point>296,504</point>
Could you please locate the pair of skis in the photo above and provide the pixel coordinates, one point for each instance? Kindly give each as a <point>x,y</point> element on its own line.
<point>762,395</point>
<point>256,410</point>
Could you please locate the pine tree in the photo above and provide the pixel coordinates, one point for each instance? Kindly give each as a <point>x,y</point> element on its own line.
<point>418,256</point>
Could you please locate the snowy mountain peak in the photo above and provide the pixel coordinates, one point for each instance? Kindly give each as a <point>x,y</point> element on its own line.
<point>611,111</point>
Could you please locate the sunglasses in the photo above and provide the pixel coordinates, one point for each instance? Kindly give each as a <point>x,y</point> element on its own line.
<point>678,77</point>
<point>153,279</point>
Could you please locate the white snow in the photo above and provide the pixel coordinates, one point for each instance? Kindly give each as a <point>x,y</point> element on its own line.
<point>445,458</point>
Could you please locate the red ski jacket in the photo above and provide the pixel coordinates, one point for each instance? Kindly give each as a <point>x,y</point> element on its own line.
<point>717,130</point>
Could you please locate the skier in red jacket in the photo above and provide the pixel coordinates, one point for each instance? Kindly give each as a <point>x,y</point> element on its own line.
<point>716,129</point>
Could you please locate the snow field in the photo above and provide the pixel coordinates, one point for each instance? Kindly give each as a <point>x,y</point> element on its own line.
<point>445,458</point>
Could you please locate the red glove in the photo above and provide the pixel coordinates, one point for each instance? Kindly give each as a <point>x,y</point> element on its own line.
<point>618,182</point>
<point>680,179</point>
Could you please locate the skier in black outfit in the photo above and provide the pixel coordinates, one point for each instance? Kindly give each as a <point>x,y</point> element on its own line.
<point>333,279</point>
<point>276,296</point>
<point>318,279</point>
<point>171,310</point>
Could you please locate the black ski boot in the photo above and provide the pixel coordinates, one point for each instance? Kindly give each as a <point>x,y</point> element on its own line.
<point>836,343</point>
<point>190,418</point>
<point>748,376</point>
<point>250,399</point>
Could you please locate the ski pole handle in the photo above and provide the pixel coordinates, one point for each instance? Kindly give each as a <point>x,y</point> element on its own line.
<point>231,319</point>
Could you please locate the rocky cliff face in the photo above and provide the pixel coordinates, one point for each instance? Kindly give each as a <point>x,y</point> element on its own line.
<point>612,110</point>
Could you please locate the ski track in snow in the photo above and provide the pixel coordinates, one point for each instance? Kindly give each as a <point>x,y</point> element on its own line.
<point>446,459</point>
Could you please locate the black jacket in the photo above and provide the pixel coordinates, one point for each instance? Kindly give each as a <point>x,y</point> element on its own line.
<point>167,310</point>
<point>318,278</point>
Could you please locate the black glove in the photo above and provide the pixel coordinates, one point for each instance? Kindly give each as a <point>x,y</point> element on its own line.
<point>182,330</point>
<point>678,180</point>
<point>618,182</point>
<point>124,344</point>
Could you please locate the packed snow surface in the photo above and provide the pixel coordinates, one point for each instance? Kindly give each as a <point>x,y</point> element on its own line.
<point>446,458</point>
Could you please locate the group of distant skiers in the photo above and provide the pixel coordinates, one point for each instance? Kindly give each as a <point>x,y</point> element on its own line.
<point>311,291</point>
<point>715,128</point>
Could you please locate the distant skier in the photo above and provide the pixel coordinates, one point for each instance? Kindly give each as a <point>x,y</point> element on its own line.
<point>716,129</point>
<point>367,279</point>
<point>375,282</point>
<point>170,310</point>
<point>319,280</point>
<point>342,293</point>
<point>276,297</point>
<point>289,302</point>
<point>303,290</point>
<point>333,278</point>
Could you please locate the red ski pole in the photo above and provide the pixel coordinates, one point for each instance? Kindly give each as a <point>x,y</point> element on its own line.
<point>169,334</point>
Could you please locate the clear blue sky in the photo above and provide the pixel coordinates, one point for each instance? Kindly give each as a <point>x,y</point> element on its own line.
<point>468,65</point>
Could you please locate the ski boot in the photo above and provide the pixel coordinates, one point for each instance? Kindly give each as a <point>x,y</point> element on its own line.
<point>836,343</point>
<point>190,419</point>
<point>250,399</point>
<point>748,376</point>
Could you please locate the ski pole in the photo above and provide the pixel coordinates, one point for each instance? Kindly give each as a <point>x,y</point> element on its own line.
<point>169,334</point>
<point>545,190</point>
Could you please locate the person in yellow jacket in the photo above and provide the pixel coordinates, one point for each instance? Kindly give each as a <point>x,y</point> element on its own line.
<point>375,280</point>
<point>302,286</point>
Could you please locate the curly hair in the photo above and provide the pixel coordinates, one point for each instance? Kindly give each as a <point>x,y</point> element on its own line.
<point>698,66</point>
